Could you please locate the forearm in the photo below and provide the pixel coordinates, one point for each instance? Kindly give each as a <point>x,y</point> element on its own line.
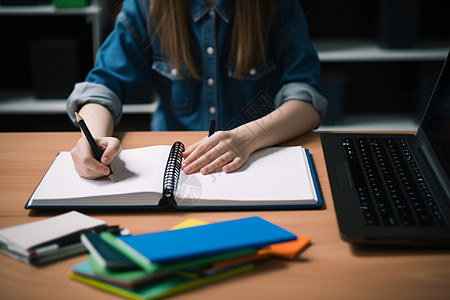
<point>290,120</point>
<point>98,119</point>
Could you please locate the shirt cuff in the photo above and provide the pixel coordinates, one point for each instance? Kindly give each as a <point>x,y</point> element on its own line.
<point>88,92</point>
<point>302,92</point>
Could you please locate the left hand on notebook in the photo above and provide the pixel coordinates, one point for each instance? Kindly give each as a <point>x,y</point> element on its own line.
<point>226,150</point>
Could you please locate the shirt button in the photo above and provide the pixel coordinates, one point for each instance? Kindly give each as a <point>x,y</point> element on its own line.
<point>212,110</point>
<point>252,71</point>
<point>210,50</point>
<point>173,71</point>
<point>210,81</point>
<point>211,13</point>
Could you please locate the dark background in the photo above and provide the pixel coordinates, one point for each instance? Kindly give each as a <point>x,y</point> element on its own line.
<point>352,87</point>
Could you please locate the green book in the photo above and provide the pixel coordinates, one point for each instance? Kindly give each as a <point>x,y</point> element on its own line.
<point>129,279</point>
<point>104,254</point>
<point>163,287</point>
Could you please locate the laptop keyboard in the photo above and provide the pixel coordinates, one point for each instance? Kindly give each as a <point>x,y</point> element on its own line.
<point>389,184</point>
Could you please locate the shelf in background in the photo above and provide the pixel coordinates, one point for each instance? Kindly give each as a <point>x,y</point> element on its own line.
<point>328,51</point>
<point>370,51</point>
<point>47,10</point>
<point>94,13</point>
<point>24,103</point>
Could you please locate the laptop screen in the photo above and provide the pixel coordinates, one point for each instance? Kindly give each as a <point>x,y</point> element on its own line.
<point>436,121</point>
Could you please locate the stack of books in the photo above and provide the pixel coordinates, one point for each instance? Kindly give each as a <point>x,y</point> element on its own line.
<point>155,265</point>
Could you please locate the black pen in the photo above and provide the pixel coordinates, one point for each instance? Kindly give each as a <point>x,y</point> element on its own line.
<point>212,127</point>
<point>91,141</point>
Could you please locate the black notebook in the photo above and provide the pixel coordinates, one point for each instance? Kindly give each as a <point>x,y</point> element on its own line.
<point>151,177</point>
<point>395,189</point>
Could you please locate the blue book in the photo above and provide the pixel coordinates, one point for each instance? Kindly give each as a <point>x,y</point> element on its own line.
<point>194,242</point>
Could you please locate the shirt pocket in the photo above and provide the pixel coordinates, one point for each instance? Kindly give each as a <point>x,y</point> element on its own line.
<point>175,88</point>
<point>254,89</point>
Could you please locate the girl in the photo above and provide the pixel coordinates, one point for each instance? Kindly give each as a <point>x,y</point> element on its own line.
<point>248,64</point>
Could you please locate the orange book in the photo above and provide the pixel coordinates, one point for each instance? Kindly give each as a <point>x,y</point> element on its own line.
<point>287,250</point>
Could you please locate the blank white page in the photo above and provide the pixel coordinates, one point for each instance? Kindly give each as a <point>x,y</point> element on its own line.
<point>137,170</point>
<point>271,175</point>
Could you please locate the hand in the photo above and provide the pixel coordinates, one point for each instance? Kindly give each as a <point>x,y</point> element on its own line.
<point>226,150</point>
<point>229,150</point>
<point>85,162</point>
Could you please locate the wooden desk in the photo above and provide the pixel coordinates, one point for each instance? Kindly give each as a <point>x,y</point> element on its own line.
<point>330,268</point>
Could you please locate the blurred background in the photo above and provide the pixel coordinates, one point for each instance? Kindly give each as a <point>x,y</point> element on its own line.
<point>380,59</point>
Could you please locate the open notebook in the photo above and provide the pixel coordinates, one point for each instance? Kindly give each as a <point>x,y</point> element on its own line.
<point>277,177</point>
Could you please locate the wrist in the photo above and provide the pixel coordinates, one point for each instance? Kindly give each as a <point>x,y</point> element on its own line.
<point>98,119</point>
<point>249,136</point>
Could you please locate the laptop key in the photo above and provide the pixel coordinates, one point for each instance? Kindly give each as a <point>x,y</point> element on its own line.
<point>427,212</point>
<point>390,187</point>
<point>366,204</point>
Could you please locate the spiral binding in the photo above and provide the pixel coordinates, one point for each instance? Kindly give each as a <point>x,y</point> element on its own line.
<point>172,173</point>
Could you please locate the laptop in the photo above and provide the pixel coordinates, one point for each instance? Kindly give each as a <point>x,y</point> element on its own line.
<point>392,189</point>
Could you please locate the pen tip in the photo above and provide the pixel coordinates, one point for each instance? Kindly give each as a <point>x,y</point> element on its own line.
<point>111,174</point>
<point>79,118</point>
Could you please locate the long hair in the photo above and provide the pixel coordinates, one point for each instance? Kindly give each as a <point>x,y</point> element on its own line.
<point>169,20</point>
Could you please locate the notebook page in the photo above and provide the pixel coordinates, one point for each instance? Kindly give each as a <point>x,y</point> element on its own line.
<point>135,171</point>
<point>271,175</point>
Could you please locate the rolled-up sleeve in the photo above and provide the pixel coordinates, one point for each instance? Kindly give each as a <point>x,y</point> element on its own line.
<point>302,92</point>
<point>123,63</point>
<point>296,58</point>
<point>88,92</point>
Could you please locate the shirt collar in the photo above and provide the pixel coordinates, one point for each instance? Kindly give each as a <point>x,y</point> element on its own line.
<point>224,8</point>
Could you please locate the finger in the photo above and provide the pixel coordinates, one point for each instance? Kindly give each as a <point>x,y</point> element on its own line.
<point>191,148</point>
<point>85,162</point>
<point>204,160</point>
<point>89,174</point>
<point>218,163</point>
<point>234,165</point>
<point>201,149</point>
<point>95,168</point>
<point>88,166</point>
<point>112,148</point>
<point>188,151</point>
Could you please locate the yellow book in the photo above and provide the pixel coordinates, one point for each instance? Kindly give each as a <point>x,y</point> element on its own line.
<point>165,287</point>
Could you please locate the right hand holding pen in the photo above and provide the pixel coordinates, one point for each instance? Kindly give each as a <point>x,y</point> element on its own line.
<point>85,162</point>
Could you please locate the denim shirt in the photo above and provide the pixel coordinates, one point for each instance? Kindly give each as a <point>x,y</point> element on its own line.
<point>129,58</point>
